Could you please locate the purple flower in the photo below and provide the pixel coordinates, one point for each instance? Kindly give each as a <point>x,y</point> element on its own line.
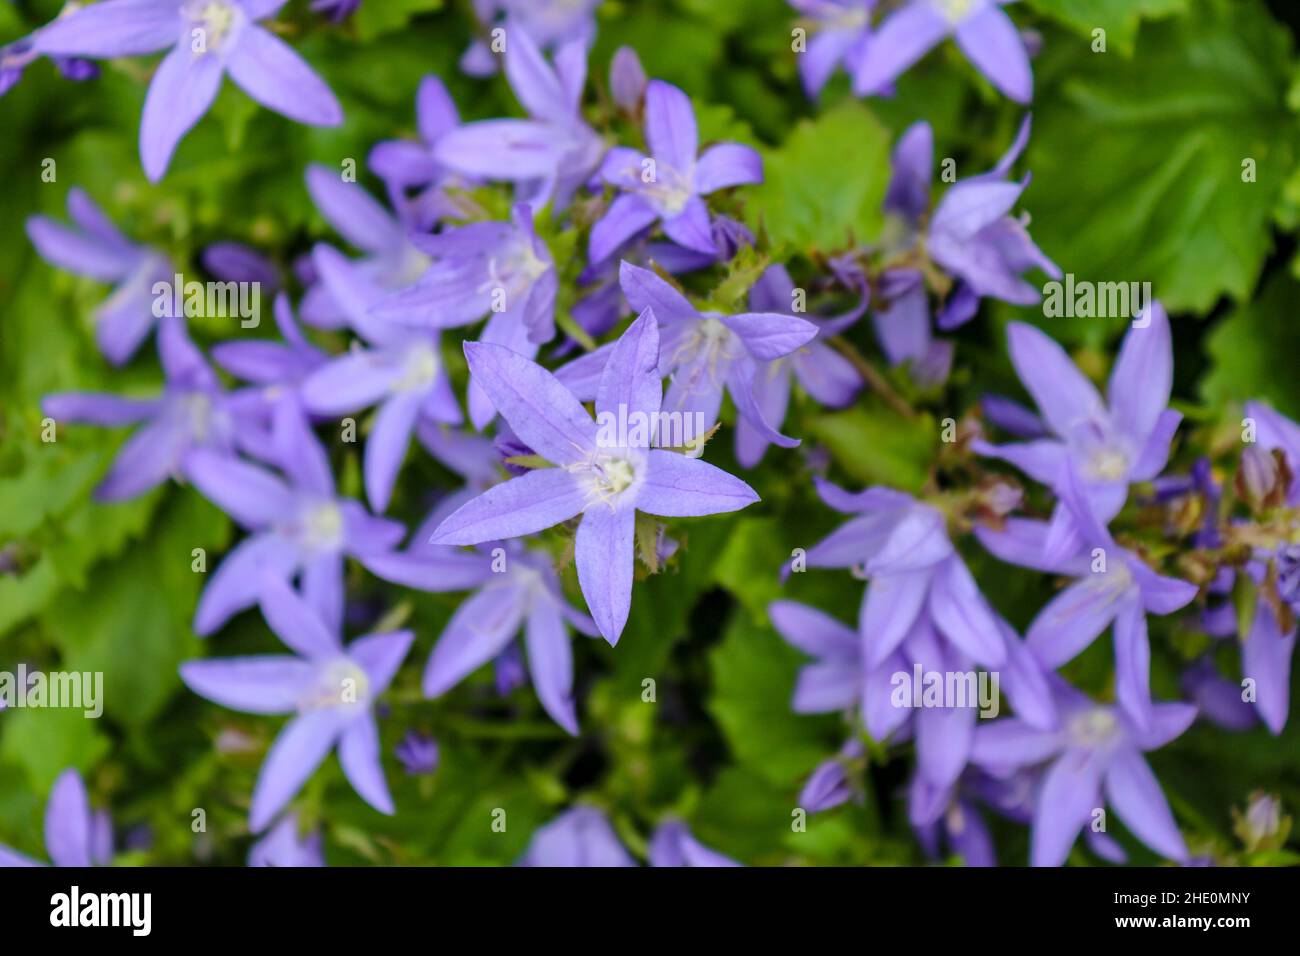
<point>983,32</point>
<point>286,846</point>
<point>17,56</point>
<point>703,353</point>
<point>673,844</point>
<point>330,690</point>
<point>548,23</point>
<point>667,186</point>
<point>579,837</point>
<point>973,236</point>
<point>298,524</point>
<point>75,835</point>
<point>951,815</point>
<point>418,754</point>
<point>515,589</point>
<point>501,269</point>
<point>841,33</point>
<point>1104,446</point>
<point>404,165</point>
<point>606,485</point>
<point>548,156</point>
<point>336,10</point>
<point>1094,757</point>
<point>828,785</point>
<point>627,79</point>
<point>236,262</point>
<point>346,289</point>
<point>1113,586</point>
<point>1217,699</point>
<point>208,38</point>
<point>823,373</point>
<point>95,248</point>
<point>192,413</point>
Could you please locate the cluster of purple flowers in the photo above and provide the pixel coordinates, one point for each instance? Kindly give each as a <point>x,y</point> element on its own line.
<point>428,261</point>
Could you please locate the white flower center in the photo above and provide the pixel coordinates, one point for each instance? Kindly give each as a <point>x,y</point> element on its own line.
<point>215,18</point>
<point>1093,728</point>
<point>322,528</point>
<point>338,684</point>
<point>420,369</point>
<point>1108,464</point>
<point>956,10</point>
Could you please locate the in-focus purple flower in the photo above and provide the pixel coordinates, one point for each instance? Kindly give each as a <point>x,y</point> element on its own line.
<point>840,32</point>
<point>1103,446</point>
<point>548,156</point>
<point>578,837</point>
<point>297,524</point>
<point>208,38</point>
<point>330,690</point>
<point>500,269</point>
<point>94,247</point>
<point>1092,759</point>
<point>286,846</point>
<point>627,79</point>
<point>605,485</point>
<point>191,413</point>
<point>406,165</point>
<point>673,844</point>
<point>514,589</point>
<point>824,373</point>
<point>418,754</point>
<point>1112,586</point>
<point>666,186</point>
<point>702,353</point>
<point>548,23</point>
<point>75,835</point>
<point>982,30</point>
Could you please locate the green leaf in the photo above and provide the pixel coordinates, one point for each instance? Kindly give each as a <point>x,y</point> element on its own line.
<point>876,446</point>
<point>1253,350</point>
<point>1138,164</point>
<point>754,676</point>
<point>47,742</point>
<point>823,187</point>
<point>373,19</point>
<point>1119,18</point>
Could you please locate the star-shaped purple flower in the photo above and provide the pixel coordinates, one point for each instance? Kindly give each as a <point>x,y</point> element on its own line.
<point>666,186</point>
<point>331,691</point>
<point>97,249</point>
<point>840,33</point>
<point>605,485</point>
<point>208,38</point>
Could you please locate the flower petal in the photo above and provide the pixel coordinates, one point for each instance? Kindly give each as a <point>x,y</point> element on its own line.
<point>297,752</point>
<point>603,551</point>
<point>271,72</point>
<point>531,502</point>
<point>677,486</point>
<point>254,685</point>
<point>180,93</point>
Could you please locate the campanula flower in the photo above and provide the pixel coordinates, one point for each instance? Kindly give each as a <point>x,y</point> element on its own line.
<point>839,33</point>
<point>75,835</point>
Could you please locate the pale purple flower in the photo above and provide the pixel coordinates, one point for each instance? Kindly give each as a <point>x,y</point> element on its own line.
<point>627,79</point>
<point>828,785</point>
<point>342,290</point>
<point>1112,586</point>
<point>840,33</point>
<point>673,844</point>
<point>499,269</point>
<point>330,690</point>
<point>298,525</point>
<point>982,30</point>
<point>406,165</point>
<point>1104,446</point>
<point>702,353</point>
<point>548,23</point>
<point>951,816</point>
<point>1217,699</point>
<point>547,156</point>
<point>823,373</point>
<point>236,262</point>
<point>514,589</point>
<point>582,836</point>
<point>191,413</point>
<point>336,10</point>
<point>208,38</point>
<point>18,55</point>
<point>285,845</point>
<point>94,247</point>
<point>667,186</point>
<point>605,485</point>
<point>75,835</point>
<point>1093,758</point>
<point>418,754</point>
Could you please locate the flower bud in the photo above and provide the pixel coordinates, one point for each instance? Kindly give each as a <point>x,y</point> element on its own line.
<point>627,80</point>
